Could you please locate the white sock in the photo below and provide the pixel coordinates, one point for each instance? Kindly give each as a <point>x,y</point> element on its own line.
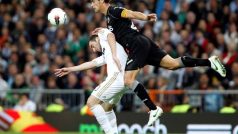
<point>113,120</point>
<point>101,117</point>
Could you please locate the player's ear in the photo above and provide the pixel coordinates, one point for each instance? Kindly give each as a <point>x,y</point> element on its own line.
<point>97,39</point>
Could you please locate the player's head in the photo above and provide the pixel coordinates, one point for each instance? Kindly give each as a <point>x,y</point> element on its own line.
<point>94,43</point>
<point>98,5</point>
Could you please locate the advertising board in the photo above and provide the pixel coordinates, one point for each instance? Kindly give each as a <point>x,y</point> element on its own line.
<point>130,123</point>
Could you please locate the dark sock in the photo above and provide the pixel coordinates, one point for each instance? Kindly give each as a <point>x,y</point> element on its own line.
<point>140,91</point>
<point>193,62</point>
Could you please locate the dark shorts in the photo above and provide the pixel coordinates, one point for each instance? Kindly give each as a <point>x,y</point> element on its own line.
<point>143,51</point>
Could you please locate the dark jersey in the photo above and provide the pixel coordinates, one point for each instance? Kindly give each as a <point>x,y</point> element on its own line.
<point>141,50</point>
<point>123,28</point>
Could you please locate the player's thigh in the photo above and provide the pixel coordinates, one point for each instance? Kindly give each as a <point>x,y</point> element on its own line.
<point>130,76</point>
<point>156,55</point>
<point>138,53</point>
<point>116,99</point>
<point>108,89</point>
<point>111,93</point>
<point>105,85</point>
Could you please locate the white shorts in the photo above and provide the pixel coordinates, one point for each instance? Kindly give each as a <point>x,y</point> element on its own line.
<point>111,90</point>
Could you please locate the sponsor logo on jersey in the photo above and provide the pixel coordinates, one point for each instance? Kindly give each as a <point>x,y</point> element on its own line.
<point>110,28</point>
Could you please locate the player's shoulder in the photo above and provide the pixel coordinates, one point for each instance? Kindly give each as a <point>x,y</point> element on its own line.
<point>118,7</point>
<point>104,31</point>
<point>113,8</point>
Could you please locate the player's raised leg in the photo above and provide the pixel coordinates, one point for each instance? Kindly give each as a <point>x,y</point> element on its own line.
<point>170,63</point>
<point>140,91</point>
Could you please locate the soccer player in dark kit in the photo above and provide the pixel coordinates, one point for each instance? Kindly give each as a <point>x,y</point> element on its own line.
<point>143,51</point>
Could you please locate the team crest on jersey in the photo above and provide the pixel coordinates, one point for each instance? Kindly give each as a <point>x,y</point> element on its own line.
<point>110,28</point>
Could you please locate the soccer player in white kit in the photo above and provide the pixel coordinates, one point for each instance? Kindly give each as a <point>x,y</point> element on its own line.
<point>109,92</point>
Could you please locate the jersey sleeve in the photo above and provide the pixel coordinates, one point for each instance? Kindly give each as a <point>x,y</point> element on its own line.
<point>116,12</point>
<point>99,61</point>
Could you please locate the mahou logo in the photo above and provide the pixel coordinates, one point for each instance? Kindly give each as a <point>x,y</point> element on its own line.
<point>137,128</point>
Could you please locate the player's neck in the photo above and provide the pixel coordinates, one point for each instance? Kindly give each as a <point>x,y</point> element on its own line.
<point>105,8</point>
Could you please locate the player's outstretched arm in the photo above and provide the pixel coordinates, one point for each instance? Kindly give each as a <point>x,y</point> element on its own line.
<point>66,70</point>
<point>138,15</point>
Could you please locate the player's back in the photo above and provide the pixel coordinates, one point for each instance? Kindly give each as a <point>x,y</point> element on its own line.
<point>123,28</point>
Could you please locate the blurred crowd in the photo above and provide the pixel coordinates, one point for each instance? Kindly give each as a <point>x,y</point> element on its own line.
<point>31,49</point>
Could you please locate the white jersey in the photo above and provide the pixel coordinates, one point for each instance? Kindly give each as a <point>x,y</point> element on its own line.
<point>112,89</point>
<point>106,57</point>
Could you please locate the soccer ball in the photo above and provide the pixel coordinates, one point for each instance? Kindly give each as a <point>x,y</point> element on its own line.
<point>57,17</point>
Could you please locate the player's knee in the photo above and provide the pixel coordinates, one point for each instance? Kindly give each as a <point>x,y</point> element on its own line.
<point>130,77</point>
<point>128,82</point>
<point>170,63</point>
<point>90,103</point>
<point>108,108</point>
<point>174,65</point>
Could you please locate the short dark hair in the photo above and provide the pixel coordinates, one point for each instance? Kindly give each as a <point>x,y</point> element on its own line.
<point>24,94</point>
<point>93,37</point>
<point>106,1</point>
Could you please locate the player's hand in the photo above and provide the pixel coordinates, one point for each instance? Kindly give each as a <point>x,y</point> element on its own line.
<point>96,30</point>
<point>152,17</point>
<point>117,61</point>
<point>62,72</point>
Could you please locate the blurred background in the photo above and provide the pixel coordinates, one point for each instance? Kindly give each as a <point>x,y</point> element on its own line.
<point>31,49</point>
